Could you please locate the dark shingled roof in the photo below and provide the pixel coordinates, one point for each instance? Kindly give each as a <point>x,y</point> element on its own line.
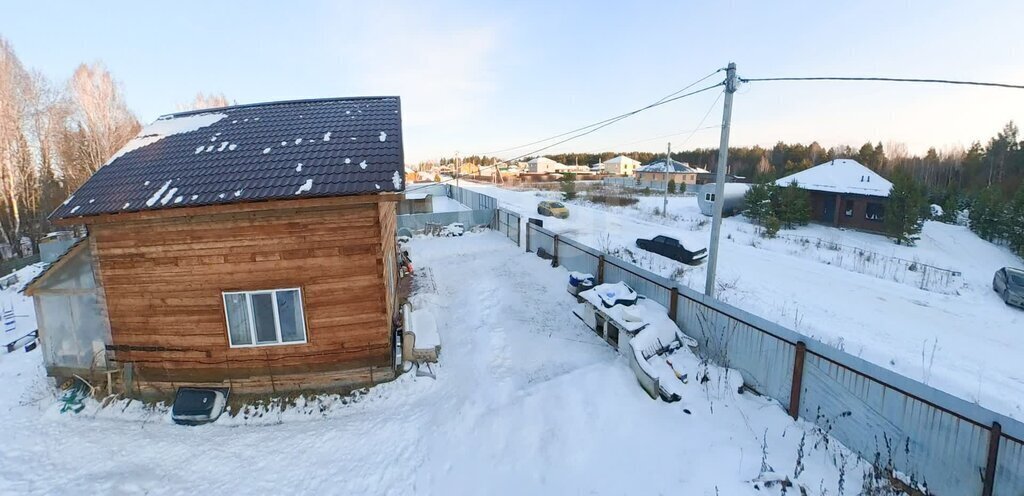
<point>251,153</point>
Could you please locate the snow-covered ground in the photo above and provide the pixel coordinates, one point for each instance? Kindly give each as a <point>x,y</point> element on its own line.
<point>445,204</point>
<point>967,343</point>
<point>526,401</point>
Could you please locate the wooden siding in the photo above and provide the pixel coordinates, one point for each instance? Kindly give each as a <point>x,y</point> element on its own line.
<point>163,280</point>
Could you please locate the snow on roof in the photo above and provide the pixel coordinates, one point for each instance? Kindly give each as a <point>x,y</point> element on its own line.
<point>659,166</point>
<point>167,126</point>
<point>840,176</point>
<point>190,155</point>
<point>543,159</point>
<point>416,196</point>
<point>620,159</point>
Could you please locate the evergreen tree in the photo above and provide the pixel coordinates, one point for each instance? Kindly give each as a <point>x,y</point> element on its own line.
<point>950,207</point>
<point>794,206</point>
<point>1014,225</point>
<point>903,213</point>
<point>568,186</point>
<point>986,215</point>
<point>759,201</point>
<point>671,186</point>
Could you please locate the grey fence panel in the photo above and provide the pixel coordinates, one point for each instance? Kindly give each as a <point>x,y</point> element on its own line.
<point>507,223</point>
<point>540,238</point>
<point>471,218</point>
<point>576,257</point>
<point>764,360</point>
<point>647,283</point>
<point>1009,476</point>
<point>472,199</point>
<point>933,446</point>
<point>932,436</point>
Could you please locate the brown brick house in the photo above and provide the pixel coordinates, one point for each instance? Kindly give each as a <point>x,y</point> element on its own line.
<point>844,193</point>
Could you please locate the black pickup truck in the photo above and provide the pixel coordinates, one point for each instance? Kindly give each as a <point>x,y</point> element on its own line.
<point>672,248</point>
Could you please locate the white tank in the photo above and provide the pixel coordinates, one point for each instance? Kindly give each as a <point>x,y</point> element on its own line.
<point>734,198</point>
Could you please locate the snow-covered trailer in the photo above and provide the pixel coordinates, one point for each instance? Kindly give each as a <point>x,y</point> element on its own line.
<point>734,198</point>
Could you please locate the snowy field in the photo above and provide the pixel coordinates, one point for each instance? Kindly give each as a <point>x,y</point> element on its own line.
<point>958,336</point>
<point>526,401</point>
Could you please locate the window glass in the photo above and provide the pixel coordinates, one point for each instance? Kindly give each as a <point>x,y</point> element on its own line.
<point>849,208</point>
<point>263,317</point>
<point>874,211</point>
<point>238,318</point>
<point>289,310</point>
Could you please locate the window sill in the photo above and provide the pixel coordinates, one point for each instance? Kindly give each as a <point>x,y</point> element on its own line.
<point>267,345</point>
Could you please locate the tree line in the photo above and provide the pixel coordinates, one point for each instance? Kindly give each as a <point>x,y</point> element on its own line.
<point>54,136</point>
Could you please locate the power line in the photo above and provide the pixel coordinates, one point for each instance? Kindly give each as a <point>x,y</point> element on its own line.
<point>887,79</point>
<point>602,125</point>
<point>700,127</point>
<point>662,100</point>
<point>617,119</point>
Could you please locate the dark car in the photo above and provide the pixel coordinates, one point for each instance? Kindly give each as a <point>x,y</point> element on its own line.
<point>1009,283</point>
<point>672,248</point>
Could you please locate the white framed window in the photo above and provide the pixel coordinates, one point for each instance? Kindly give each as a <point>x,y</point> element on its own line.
<point>265,317</point>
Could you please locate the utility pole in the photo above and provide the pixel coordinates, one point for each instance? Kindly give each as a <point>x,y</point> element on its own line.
<point>664,196</point>
<point>723,161</point>
<point>458,168</point>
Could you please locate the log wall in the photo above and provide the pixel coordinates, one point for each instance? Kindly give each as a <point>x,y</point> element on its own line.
<point>163,280</point>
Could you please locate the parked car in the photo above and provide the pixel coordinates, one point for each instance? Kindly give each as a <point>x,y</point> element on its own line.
<point>553,209</point>
<point>1009,283</point>
<point>672,248</point>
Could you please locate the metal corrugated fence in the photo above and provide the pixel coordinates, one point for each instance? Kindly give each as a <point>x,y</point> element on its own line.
<point>933,437</point>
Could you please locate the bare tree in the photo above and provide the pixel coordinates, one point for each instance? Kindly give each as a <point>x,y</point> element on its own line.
<point>99,123</point>
<point>204,101</point>
<point>17,174</point>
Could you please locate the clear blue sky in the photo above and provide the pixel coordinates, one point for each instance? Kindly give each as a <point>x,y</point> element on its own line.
<point>478,76</point>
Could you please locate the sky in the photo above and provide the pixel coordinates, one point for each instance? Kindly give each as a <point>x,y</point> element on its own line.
<point>476,76</point>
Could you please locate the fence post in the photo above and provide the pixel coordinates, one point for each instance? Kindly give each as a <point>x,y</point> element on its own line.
<point>994,433</point>
<point>798,379</point>
<point>673,303</point>
<point>554,255</point>
<point>600,269</point>
<point>527,236</point>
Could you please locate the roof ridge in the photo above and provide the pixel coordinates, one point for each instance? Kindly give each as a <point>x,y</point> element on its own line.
<point>276,102</point>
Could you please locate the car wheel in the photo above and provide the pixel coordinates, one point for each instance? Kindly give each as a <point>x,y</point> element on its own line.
<point>1006,296</point>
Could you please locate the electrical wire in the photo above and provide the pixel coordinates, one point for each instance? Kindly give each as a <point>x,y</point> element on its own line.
<point>662,100</point>
<point>605,124</point>
<point>623,116</point>
<point>886,79</point>
<point>700,127</point>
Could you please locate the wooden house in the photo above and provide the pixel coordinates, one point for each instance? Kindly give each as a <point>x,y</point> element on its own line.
<point>844,193</point>
<point>250,247</point>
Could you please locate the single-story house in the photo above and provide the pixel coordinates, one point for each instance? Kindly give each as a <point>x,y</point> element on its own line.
<point>680,172</point>
<point>250,247</point>
<point>544,165</point>
<point>620,166</point>
<point>844,193</point>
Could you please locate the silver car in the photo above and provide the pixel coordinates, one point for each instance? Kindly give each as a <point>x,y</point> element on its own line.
<point>1009,283</point>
